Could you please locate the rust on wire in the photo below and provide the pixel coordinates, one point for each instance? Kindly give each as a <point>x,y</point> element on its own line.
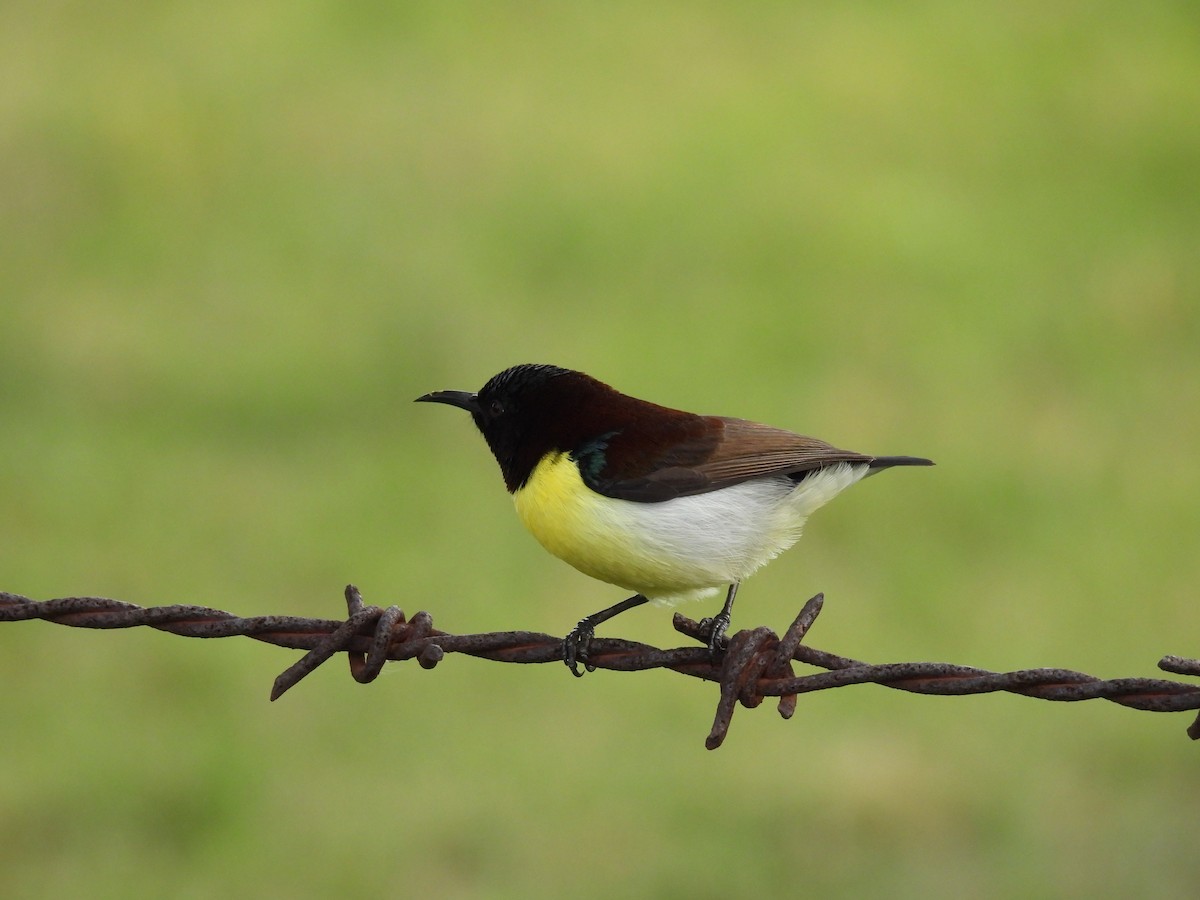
<point>756,664</point>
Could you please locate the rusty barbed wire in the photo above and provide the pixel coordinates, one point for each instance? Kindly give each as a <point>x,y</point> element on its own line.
<point>756,664</point>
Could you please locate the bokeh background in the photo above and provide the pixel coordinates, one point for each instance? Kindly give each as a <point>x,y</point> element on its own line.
<point>236,241</point>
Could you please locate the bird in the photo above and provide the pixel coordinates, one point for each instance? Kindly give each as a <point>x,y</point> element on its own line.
<point>669,504</point>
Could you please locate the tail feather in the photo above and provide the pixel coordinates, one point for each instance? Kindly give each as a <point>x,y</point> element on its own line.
<point>879,463</point>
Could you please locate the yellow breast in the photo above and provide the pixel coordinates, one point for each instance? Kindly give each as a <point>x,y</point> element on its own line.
<point>577,525</point>
<point>612,540</point>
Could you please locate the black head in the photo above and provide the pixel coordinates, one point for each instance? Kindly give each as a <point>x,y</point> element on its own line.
<point>527,411</point>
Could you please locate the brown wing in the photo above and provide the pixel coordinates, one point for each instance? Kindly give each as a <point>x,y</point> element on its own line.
<point>709,454</point>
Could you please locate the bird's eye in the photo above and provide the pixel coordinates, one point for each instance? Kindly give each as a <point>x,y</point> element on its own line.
<point>495,408</point>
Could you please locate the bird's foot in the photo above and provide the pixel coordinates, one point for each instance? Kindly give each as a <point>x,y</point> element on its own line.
<point>575,648</point>
<point>716,627</point>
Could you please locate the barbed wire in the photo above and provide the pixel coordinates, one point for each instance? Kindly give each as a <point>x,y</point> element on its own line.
<point>756,664</point>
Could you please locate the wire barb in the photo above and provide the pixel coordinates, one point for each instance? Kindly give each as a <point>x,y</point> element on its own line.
<point>757,664</point>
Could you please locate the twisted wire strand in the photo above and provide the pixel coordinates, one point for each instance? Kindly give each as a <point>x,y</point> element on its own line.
<point>756,664</point>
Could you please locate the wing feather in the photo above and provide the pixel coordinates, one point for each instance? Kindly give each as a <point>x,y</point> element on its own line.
<point>722,453</point>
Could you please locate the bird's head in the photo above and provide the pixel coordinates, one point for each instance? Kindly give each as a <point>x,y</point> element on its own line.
<point>527,411</point>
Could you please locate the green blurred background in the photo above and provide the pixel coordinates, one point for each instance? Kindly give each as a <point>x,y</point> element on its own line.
<point>236,241</point>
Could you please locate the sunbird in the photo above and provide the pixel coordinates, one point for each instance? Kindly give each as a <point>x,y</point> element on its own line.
<point>669,504</point>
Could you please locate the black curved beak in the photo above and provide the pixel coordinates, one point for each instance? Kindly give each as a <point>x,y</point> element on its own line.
<point>462,399</point>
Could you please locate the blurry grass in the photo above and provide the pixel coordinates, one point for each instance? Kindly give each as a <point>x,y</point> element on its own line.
<point>236,241</point>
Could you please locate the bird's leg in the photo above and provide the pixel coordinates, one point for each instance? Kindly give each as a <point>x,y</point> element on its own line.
<point>575,644</point>
<point>720,622</point>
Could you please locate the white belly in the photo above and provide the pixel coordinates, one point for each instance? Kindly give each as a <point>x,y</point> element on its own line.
<point>679,549</point>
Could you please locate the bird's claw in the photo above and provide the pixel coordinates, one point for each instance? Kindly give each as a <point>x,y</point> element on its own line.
<point>575,648</point>
<point>716,628</point>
